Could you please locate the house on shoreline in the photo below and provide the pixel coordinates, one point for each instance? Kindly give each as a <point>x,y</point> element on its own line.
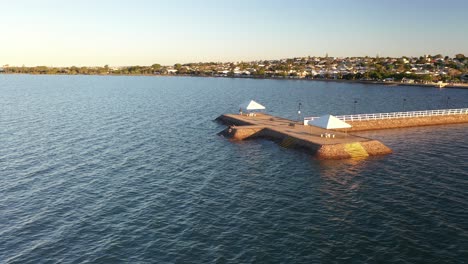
<point>423,69</point>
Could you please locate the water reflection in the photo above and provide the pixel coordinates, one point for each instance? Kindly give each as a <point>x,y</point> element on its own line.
<point>342,171</point>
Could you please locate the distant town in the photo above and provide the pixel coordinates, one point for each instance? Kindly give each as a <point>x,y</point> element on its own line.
<point>427,69</point>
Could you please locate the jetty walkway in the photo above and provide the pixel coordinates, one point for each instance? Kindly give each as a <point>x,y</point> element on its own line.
<point>336,143</point>
<point>323,143</point>
<point>362,122</point>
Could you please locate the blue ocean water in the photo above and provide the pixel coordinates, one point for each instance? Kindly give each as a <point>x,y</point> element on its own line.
<point>97,169</point>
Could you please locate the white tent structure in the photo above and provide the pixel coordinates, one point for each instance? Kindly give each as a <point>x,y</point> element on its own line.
<point>328,122</point>
<point>252,105</point>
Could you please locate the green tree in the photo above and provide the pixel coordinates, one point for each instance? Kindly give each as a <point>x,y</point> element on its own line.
<point>421,60</point>
<point>454,73</point>
<point>103,70</point>
<point>376,75</point>
<point>156,67</point>
<point>83,70</point>
<point>460,57</point>
<point>260,72</point>
<point>425,77</point>
<point>182,70</point>
<point>42,69</point>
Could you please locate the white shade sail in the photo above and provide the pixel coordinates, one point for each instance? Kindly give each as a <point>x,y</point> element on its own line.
<point>329,122</point>
<point>252,105</point>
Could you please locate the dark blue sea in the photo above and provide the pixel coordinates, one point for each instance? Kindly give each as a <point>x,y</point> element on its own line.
<point>97,169</point>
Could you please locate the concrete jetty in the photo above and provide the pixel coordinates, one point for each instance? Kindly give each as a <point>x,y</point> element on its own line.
<point>377,121</point>
<point>322,143</point>
<point>406,122</point>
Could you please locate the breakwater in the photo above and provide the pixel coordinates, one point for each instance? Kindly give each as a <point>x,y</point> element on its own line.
<point>316,141</point>
<point>405,122</point>
<point>363,122</point>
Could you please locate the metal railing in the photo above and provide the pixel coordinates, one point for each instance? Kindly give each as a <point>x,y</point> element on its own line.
<point>377,116</point>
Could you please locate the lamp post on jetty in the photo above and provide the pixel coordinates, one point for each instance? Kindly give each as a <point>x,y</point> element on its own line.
<point>299,112</point>
<point>354,109</point>
<point>447,103</point>
<point>404,101</point>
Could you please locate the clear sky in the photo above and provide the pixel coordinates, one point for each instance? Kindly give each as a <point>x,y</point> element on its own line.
<point>139,32</point>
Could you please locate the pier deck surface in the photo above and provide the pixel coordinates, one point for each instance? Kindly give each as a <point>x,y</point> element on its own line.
<point>307,133</point>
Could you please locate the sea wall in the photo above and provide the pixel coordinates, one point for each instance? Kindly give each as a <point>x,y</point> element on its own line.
<point>238,129</point>
<point>229,121</point>
<point>405,122</point>
<point>353,150</point>
<point>328,151</point>
<point>242,132</point>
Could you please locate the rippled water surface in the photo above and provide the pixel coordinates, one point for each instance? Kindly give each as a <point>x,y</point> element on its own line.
<point>130,169</point>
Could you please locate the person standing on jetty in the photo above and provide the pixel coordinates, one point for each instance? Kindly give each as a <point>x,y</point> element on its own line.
<point>240,111</point>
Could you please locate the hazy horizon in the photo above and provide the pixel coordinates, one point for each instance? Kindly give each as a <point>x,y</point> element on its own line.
<point>208,61</point>
<point>118,33</point>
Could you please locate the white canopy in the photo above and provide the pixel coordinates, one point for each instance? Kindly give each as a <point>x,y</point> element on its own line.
<point>252,105</point>
<point>329,122</point>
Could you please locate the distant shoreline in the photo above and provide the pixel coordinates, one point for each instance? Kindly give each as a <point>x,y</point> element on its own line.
<point>433,85</point>
<point>455,85</point>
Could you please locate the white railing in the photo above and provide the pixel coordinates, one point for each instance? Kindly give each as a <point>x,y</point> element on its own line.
<point>365,117</point>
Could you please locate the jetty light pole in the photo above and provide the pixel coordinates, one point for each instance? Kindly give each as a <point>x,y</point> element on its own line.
<point>354,109</point>
<point>447,104</point>
<point>299,112</point>
<point>404,101</point>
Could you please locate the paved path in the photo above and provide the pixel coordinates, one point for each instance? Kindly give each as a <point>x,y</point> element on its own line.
<point>308,133</point>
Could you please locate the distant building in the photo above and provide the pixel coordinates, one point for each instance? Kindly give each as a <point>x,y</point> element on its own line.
<point>237,72</point>
<point>407,80</point>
